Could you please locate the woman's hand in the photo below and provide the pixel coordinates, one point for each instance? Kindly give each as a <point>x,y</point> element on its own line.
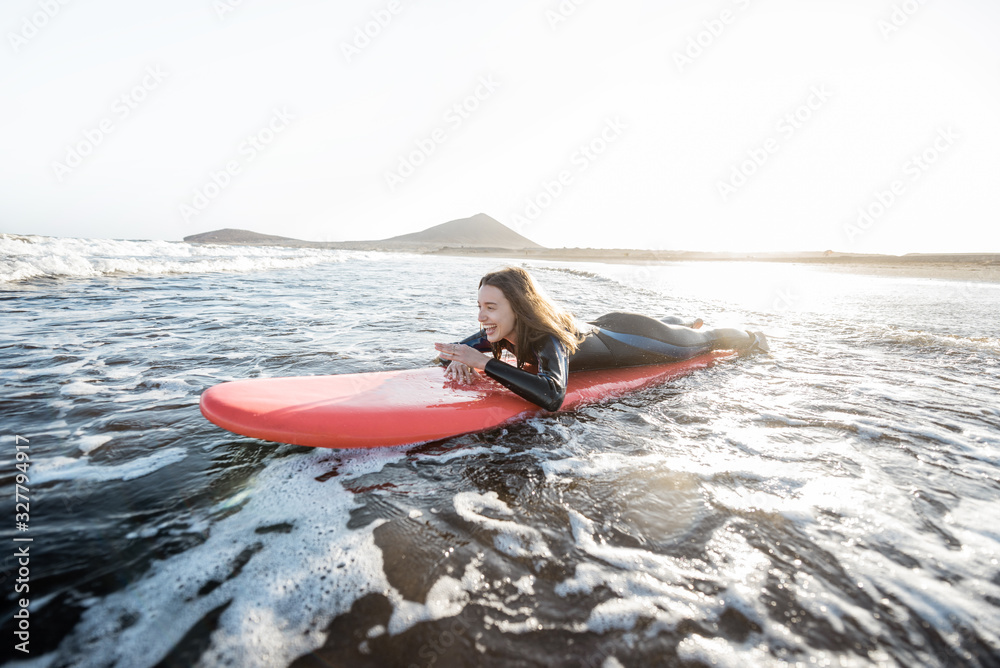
<point>463,360</point>
<point>460,373</point>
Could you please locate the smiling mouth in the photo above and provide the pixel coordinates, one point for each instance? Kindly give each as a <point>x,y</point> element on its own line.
<point>489,329</point>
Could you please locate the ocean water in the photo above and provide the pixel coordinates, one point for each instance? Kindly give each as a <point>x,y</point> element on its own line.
<point>834,503</point>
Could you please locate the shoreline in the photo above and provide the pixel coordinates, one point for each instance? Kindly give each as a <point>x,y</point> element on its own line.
<point>981,267</point>
<point>978,267</point>
<point>959,267</point>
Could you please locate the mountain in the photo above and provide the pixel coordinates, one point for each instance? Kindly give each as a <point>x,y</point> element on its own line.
<point>230,235</point>
<point>477,232</point>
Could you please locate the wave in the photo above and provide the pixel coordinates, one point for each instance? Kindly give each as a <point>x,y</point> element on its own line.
<point>28,257</point>
<point>630,290</point>
<point>925,340</point>
<point>577,272</point>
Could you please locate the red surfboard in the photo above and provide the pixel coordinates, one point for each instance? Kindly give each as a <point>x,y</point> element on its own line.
<point>368,410</point>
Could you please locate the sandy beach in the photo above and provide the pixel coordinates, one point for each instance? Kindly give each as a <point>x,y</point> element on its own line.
<point>483,236</point>
<point>963,267</point>
<point>956,271</point>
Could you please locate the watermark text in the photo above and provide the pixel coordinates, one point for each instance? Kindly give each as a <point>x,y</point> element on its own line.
<point>582,158</point>
<point>123,107</point>
<point>454,117</point>
<point>786,128</point>
<point>899,17</point>
<point>368,32</point>
<point>712,30</point>
<point>912,171</point>
<point>249,149</point>
<point>32,25</point>
<point>22,557</point>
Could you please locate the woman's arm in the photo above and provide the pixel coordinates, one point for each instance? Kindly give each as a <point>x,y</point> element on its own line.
<point>460,359</point>
<point>477,341</point>
<point>459,371</point>
<point>547,388</point>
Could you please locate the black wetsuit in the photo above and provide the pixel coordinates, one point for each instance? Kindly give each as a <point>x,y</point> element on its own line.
<point>615,340</point>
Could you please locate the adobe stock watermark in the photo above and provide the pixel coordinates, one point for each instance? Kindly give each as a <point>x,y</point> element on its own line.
<point>704,39</point>
<point>787,127</point>
<point>32,25</point>
<point>971,288</point>
<point>899,17</point>
<point>912,171</point>
<point>367,32</point>
<point>786,298</point>
<point>123,107</point>
<point>431,651</point>
<point>582,158</point>
<point>454,117</point>
<point>224,7</point>
<point>562,12</point>
<point>249,149</point>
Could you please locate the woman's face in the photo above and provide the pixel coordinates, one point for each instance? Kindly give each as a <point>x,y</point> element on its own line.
<point>495,314</point>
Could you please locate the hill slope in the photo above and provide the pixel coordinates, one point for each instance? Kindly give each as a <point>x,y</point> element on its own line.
<point>231,235</point>
<point>478,231</point>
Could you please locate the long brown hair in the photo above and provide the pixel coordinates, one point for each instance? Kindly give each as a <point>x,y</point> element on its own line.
<point>535,315</point>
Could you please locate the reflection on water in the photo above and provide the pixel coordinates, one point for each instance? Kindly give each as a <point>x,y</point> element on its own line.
<point>829,504</point>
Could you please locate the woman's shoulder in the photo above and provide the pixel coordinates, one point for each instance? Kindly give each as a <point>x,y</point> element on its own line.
<point>578,331</point>
<point>549,344</point>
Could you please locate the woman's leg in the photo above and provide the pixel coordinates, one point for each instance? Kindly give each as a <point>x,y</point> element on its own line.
<point>677,320</point>
<point>638,339</point>
<point>728,338</point>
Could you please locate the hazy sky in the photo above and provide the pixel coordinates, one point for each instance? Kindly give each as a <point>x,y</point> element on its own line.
<point>854,125</point>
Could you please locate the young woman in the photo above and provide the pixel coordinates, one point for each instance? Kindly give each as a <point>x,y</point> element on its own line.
<point>515,316</point>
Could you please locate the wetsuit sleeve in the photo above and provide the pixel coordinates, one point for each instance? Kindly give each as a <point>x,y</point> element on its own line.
<point>546,389</point>
<point>477,341</point>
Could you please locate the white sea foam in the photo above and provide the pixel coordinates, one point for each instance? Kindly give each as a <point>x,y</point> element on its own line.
<point>446,598</point>
<point>279,602</point>
<point>151,397</point>
<point>81,468</point>
<point>926,340</point>
<point>862,469</point>
<point>27,257</point>
<point>79,388</point>
<point>37,662</point>
<point>882,514</point>
<point>725,654</point>
<point>655,587</point>
<point>460,453</point>
<point>516,540</point>
<point>595,465</point>
<point>88,444</point>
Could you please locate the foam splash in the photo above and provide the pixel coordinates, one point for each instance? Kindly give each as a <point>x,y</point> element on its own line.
<point>595,465</point>
<point>79,388</point>
<point>81,469</point>
<point>446,598</point>
<point>513,539</point>
<point>648,586</point>
<point>931,340</point>
<point>277,590</point>
<point>852,452</point>
<point>657,588</point>
<point>26,257</point>
<point>88,444</point>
